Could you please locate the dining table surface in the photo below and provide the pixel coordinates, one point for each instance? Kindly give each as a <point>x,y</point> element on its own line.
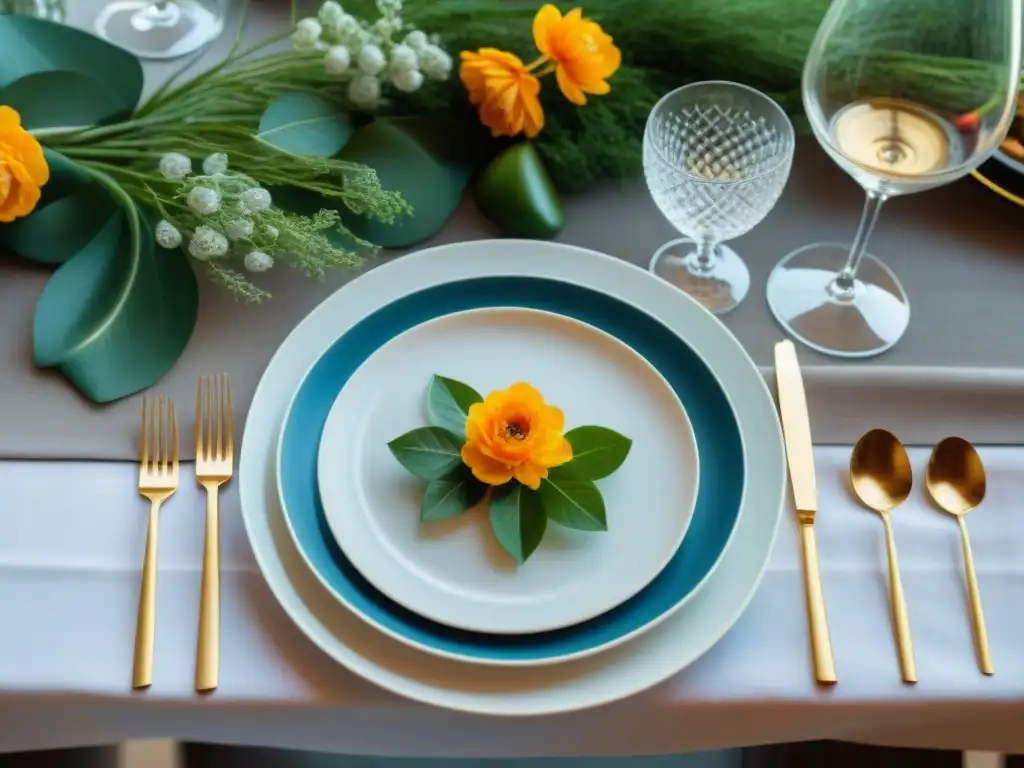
<point>72,533</point>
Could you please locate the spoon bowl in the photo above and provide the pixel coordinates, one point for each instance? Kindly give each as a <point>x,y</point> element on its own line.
<point>880,471</point>
<point>956,476</point>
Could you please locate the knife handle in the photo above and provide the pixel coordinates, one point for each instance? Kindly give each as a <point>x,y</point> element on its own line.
<point>821,640</point>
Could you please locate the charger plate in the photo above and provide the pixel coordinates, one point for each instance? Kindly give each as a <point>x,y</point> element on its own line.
<point>525,690</point>
<point>714,519</point>
<point>453,571</point>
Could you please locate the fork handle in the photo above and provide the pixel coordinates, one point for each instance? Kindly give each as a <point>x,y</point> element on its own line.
<point>208,652</point>
<point>145,628</point>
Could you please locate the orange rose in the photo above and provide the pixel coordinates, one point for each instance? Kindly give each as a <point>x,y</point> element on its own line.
<point>23,169</point>
<point>513,433</point>
<point>584,54</point>
<point>503,91</point>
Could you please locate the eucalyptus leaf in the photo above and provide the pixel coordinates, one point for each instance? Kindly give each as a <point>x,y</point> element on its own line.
<point>70,213</point>
<point>305,124</point>
<point>431,453</point>
<point>597,451</point>
<point>58,76</point>
<point>451,495</point>
<point>448,402</point>
<point>517,519</point>
<point>572,500</point>
<point>406,162</point>
<point>116,316</point>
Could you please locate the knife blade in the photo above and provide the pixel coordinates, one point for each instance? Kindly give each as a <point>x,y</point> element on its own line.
<point>796,432</point>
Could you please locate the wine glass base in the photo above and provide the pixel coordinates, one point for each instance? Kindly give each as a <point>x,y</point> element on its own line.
<point>718,288</point>
<point>865,322</point>
<point>180,28</point>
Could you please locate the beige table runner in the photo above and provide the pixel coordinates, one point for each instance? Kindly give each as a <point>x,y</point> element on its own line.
<point>959,369</point>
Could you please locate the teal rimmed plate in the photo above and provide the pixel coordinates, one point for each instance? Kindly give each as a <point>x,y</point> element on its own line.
<point>722,473</point>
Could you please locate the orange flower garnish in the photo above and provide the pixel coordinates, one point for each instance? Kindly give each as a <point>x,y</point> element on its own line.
<point>23,169</point>
<point>514,433</point>
<point>583,53</point>
<point>503,91</point>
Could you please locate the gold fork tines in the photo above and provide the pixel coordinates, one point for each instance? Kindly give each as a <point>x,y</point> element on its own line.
<point>215,451</point>
<point>158,480</point>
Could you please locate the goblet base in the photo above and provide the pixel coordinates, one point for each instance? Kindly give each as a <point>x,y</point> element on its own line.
<point>158,31</point>
<point>718,286</point>
<point>864,321</point>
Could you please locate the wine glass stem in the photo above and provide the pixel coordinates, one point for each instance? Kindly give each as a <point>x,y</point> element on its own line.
<point>841,288</point>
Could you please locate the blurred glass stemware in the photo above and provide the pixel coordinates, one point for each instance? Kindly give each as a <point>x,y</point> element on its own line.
<point>716,158</point>
<point>904,96</point>
<point>160,29</point>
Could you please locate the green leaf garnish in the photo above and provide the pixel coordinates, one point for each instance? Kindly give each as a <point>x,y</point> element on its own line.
<point>305,124</point>
<point>448,402</point>
<point>518,519</point>
<point>431,453</point>
<point>597,451</point>
<point>572,500</point>
<point>451,495</point>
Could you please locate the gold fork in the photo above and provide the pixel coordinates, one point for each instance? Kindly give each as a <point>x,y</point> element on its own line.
<point>158,480</point>
<point>215,450</point>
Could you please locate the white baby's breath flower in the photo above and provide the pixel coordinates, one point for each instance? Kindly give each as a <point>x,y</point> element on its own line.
<point>364,91</point>
<point>389,7</point>
<point>203,201</point>
<point>386,27</point>
<point>207,243</point>
<point>348,27</point>
<point>435,62</point>
<point>371,60</point>
<point>258,261</point>
<point>255,200</point>
<point>215,164</point>
<point>337,60</point>
<point>272,232</point>
<point>407,80</point>
<point>403,57</point>
<point>167,235</point>
<point>307,34</point>
<point>331,13</point>
<point>238,229</point>
<point>416,40</point>
<point>175,165</point>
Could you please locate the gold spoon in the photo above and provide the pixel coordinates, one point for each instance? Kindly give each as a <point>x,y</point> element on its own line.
<point>956,482</point>
<point>881,477</point>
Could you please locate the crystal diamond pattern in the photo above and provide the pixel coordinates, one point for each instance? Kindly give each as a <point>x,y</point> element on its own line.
<point>714,171</point>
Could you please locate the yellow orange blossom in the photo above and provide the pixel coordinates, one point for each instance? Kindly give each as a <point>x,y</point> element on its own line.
<point>503,91</point>
<point>23,169</point>
<point>514,433</point>
<point>583,53</point>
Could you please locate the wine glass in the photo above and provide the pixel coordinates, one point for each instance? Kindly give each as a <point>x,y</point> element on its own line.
<point>905,96</point>
<point>716,157</point>
<point>160,29</point>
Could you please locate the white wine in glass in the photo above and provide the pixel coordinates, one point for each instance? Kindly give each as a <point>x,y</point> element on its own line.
<point>905,96</point>
<point>161,29</point>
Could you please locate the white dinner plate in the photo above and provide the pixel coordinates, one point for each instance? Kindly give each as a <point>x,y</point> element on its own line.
<point>454,571</point>
<point>522,690</point>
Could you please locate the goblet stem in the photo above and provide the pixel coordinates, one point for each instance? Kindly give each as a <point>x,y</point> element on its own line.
<point>841,288</point>
<point>705,254</point>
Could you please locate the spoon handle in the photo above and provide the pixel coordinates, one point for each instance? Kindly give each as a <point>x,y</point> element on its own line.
<point>977,615</point>
<point>900,619</point>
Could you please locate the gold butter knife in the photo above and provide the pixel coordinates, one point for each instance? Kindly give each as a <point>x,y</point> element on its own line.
<point>796,428</point>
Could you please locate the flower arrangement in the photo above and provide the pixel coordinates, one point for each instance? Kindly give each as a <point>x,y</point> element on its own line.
<point>101,184</point>
<point>512,445</point>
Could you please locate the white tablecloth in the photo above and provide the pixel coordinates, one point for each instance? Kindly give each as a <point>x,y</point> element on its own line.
<point>71,543</point>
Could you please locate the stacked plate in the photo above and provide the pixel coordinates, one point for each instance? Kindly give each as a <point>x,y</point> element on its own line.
<point>438,612</point>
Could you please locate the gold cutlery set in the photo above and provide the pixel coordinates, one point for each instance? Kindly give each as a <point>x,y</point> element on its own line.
<point>881,478</point>
<point>158,480</point>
